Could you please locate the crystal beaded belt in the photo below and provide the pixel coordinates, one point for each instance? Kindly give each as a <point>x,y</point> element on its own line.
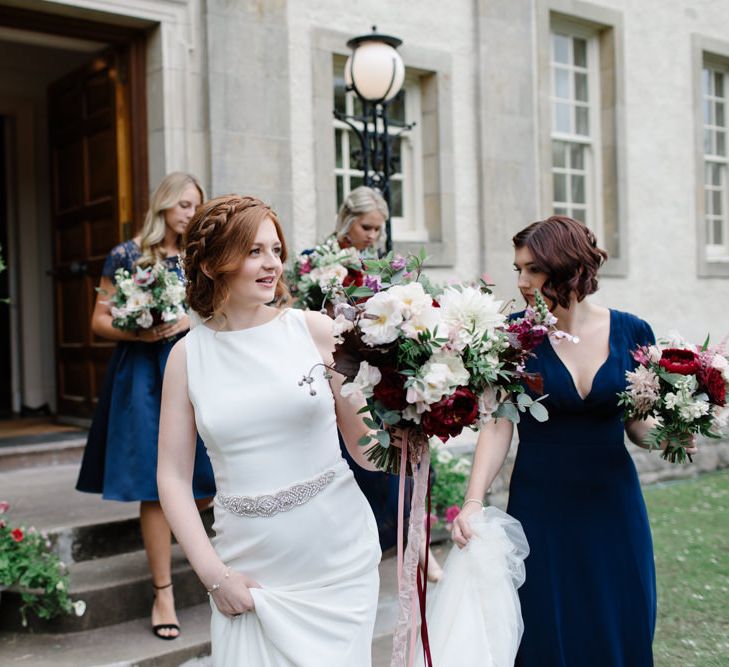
<point>274,503</point>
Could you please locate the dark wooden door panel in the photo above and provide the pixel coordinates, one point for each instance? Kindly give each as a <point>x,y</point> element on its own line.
<point>90,177</point>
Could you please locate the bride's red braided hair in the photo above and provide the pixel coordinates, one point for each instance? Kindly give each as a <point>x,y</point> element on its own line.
<point>222,232</point>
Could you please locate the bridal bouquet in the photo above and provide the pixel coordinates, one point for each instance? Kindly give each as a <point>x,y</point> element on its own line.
<point>148,296</point>
<point>320,273</point>
<point>432,362</point>
<point>683,387</point>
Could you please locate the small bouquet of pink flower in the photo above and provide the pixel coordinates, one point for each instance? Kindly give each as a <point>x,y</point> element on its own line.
<point>318,274</point>
<point>683,387</point>
<point>146,297</point>
<point>431,361</point>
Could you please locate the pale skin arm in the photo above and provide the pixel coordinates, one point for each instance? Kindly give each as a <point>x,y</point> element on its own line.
<point>176,460</point>
<point>492,446</point>
<point>101,320</point>
<point>350,423</point>
<point>637,430</point>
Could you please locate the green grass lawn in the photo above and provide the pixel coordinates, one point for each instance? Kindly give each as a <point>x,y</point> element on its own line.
<point>690,522</point>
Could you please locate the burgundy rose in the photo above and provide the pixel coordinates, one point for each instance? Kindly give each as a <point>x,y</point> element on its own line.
<point>529,336</point>
<point>17,535</point>
<point>684,362</point>
<point>390,390</point>
<point>447,418</point>
<point>713,383</point>
<point>353,277</point>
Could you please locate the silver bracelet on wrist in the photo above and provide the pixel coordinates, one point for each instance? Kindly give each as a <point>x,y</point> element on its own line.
<point>217,586</point>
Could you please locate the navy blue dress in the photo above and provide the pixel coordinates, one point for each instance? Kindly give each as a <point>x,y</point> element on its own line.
<point>120,460</point>
<point>590,595</point>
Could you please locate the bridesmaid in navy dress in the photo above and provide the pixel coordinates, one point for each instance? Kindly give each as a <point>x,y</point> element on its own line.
<point>590,593</point>
<point>120,460</point>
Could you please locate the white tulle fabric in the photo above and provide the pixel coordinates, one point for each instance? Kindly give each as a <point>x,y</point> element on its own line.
<point>474,616</point>
<point>317,562</point>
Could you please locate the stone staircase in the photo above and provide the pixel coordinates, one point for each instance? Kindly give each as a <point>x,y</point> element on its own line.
<point>101,544</point>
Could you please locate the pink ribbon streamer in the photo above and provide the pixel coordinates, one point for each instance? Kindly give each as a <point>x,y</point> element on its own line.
<point>405,634</point>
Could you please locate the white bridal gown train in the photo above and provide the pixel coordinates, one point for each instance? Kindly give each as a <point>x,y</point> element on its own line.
<point>288,512</point>
<point>474,615</point>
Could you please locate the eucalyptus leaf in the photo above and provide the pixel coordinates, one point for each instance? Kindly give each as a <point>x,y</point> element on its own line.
<point>524,400</point>
<point>383,437</point>
<point>508,411</point>
<point>538,411</point>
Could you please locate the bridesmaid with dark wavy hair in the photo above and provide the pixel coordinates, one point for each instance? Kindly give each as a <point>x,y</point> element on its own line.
<point>590,593</point>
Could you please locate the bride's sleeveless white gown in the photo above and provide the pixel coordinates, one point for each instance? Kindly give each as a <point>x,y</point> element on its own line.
<point>313,549</point>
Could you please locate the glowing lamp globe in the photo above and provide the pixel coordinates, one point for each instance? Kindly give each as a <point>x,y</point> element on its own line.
<point>375,69</point>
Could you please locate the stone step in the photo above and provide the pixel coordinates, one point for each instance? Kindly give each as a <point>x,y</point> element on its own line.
<point>19,454</point>
<point>115,589</point>
<point>81,526</point>
<point>129,644</point>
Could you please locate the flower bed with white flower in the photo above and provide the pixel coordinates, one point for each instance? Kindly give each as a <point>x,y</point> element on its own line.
<point>684,388</point>
<point>28,564</point>
<point>324,270</point>
<point>433,361</point>
<point>146,297</point>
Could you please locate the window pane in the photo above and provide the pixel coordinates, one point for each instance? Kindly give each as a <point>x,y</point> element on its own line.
<point>581,87</point>
<point>719,84</point>
<point>718,233</point>
<point>562,122</point>
<point>580,46</point>
<point>396,153</point>
<point>340,190</point>
<point>720,142</point>
<point>716,208</point>
<point>396,108</point>
<point>357,105</point>
<point>707,202</point>
<point>355,182</point>
<point>560,187</point>
<point>708,112</point>
<point>713,174</point>
<point>355,152</point>
<point>396,199</point>
<point>578,189</point>
<point>560,48</point>
<point>562,83</point>
<point>339,94</point>
<point>718,173</point>
<point>580,214</point>
<point>581,121</point>
<point>708,147</point>
<point>338,142</point>
<point>577,156</point>
<point>719,114</point>
<point>560,211</point>
<point>559,154</point>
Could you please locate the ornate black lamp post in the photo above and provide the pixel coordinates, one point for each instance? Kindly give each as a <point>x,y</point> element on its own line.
<point>375,72</point>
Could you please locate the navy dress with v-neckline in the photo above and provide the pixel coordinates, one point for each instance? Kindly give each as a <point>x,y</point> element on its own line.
<point>589,596</point>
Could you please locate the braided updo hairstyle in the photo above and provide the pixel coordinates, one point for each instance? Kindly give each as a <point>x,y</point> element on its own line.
<point>217,238</point>
<point>566,250</point>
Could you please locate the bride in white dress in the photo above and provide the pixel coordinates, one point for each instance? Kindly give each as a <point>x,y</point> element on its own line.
<point>292,569</point>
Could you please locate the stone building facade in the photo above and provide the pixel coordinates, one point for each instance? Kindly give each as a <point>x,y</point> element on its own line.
<point>611,111</point>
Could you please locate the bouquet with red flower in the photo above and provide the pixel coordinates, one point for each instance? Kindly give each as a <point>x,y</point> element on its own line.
<point>323,271</point>
<point>683,388</point>
<point>432,361</point>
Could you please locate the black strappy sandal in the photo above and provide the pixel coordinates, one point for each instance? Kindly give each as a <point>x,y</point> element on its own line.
<point>164,626</point>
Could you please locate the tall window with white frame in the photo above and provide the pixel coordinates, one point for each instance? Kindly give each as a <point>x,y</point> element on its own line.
<point>405,181</point>
<point>575,141</point>
<point>716,163</point>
